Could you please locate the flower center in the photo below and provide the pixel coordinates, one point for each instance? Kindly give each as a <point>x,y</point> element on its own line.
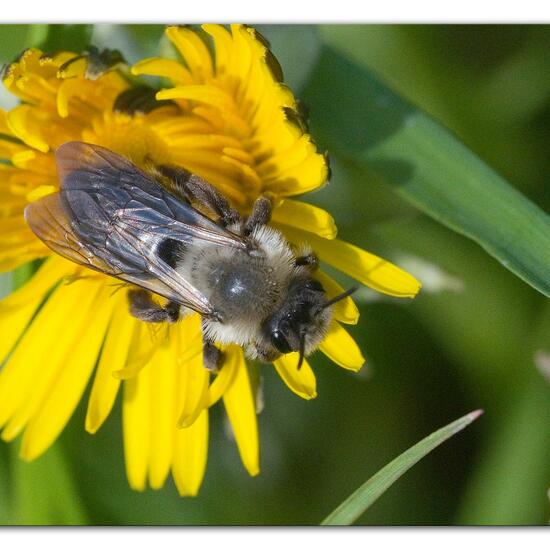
<point>132,136</point>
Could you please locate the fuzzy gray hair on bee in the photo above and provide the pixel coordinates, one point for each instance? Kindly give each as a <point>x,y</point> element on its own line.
<point>168,232</point>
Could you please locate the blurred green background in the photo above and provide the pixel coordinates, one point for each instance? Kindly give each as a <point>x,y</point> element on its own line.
<point>472,339</point>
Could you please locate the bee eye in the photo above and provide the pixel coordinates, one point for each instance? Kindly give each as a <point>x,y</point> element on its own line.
<point>279,341</point>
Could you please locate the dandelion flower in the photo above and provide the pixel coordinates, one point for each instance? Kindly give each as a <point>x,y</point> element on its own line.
<point>223,114</point>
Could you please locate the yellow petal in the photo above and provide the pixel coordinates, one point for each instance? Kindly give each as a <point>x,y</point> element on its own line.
<point>113,357</point>
<point>136,425</point>
<point>142,348</point>
<point>18,120</point>
<point>50,272</point>
<point>240,155</point>
<point>23,159</point>
<point>307,176</point>
<point>344,310</point>
<point>40,130</point>
<point>193,377</point>
<point>163,414</point>
<point>193,50</point>
<point>302,382</point>
<point>168,68</point>
<point>341,348</point>
<point>67,90</point>
<point>202,93</point>
<point>40,191</point>
<point>222,45</point>
<point>214,142</point>
<point>240,56</point>
<point>273,164</point>
<point>190,454</point>
<point>35,162</point>
<point>12,327</point>
<point>51,340</point>
<point>305,216</point>
<point>226,375</point>
<point>363,266</point>
<point>66,389</point>
<point>18,308</point>
<point>76,68</point>
<point>4,129</point>
<point>241,410</point>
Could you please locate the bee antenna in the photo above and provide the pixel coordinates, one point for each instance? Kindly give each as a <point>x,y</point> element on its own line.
<point>302,348</point>
<point>332,301</point>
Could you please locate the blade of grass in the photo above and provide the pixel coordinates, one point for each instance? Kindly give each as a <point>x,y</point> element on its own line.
<point>372,489</point>
<point>360,118</point>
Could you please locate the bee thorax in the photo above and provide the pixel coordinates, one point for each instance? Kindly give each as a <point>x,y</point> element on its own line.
<point>245,286</point>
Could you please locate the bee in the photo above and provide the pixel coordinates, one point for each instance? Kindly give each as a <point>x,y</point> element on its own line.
<point>169,233</point>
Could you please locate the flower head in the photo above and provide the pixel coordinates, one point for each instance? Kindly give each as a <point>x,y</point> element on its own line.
<point>223,114</point>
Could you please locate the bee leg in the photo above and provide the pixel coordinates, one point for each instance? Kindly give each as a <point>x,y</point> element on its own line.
<point>261,214</point>
<point>199,191</point>
<point>144,308</point>
<point>211,357</point>
<point>309,261</point>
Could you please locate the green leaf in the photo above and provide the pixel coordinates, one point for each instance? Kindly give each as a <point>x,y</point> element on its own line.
<point>372,489</point>
<point>360,118</point>
<point>73,38</point>
<point>17,38</point>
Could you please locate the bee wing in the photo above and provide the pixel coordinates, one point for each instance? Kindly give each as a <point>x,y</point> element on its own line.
<point>92,174</point>
<point>112,217</point>
<point>49,222</point>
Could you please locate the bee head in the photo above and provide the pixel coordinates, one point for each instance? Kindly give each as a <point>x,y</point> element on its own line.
<point>301,322</point>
